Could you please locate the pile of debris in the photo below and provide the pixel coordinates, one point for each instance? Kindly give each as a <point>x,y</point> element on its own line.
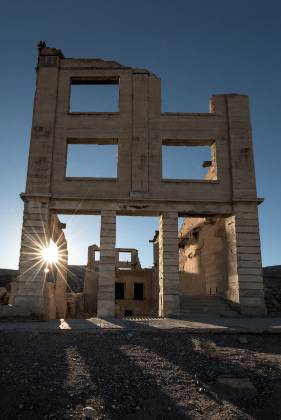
<point>272,288</point>
<point>6,277</point>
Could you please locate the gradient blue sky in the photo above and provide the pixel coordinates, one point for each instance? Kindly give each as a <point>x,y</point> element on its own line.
<point>197,48</point>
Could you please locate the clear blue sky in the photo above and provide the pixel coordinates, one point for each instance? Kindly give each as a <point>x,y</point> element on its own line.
<point>198,48</point>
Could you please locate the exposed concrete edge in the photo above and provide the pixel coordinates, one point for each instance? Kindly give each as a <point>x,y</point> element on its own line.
<point>144,330</point>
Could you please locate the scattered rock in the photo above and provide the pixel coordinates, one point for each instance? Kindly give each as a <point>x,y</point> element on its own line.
<point>102,376</point>
<point>237,383</point>
<point>243,340</point>
<point>89,412</point>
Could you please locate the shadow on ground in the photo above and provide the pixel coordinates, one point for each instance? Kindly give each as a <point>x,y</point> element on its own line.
<point>134,375</point>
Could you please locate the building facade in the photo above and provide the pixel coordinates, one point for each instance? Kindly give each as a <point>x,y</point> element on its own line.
<point>225,198</point>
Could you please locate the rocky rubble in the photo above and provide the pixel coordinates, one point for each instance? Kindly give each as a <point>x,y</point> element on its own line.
<point>272,288</point>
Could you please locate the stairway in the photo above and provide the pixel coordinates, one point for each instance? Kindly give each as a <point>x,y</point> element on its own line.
<point>206,305</point>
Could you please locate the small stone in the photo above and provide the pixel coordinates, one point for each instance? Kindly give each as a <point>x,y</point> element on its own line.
<point>236,383</point>
<point>242,340</point>
<point>20,405</point>
<point>89,412</point>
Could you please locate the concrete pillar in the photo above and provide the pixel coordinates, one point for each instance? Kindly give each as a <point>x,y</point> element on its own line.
<point>13,292</point>
<point>106,282</point>
<point>245,276</point>
<point>168,264</point>
<point>140,148</point>
<point>32,278</point>
<point>60,274</point>
<point>91,282</point>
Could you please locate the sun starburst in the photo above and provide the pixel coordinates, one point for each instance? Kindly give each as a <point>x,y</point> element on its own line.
<point>50,254</point>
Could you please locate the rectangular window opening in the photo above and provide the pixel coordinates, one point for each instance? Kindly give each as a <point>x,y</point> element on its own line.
<point>188,161</point>
<point>138,291</point>
<point>94,96</point>
<point>125,256</point>
<point>92,159</point>
<point>134,236</point>
<point>119,291</point>
<point>74,234</point>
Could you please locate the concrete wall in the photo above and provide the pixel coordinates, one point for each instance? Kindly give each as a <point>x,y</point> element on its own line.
<point>147,306</point>
<point>128,273</point>
<point>203,257</point>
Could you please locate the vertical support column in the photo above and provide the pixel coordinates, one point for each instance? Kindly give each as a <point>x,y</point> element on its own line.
<point>91,282</point>
<point>140,135</point>
<point>241,148</point>
<point>244,260</point>
<point>31,280</point>
<point>43,124</point>
<point>168,264</point>
<point>134,259</point>
<point>106,283</point>
<point>61,274</point>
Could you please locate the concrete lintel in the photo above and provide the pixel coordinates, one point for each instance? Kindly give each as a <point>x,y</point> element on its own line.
<point>139,207</point>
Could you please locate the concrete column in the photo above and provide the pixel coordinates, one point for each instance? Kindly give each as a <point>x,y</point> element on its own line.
<point>241,148</point>
<point>43,129</point>
<point>106,282</point>
<point>61,273</point>
<point>140,149</point>
<point>31,280</point>
<point>168,264</point>
<point>245,276</point>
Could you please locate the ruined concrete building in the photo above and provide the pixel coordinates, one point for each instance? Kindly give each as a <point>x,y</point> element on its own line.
<point>216,253</point>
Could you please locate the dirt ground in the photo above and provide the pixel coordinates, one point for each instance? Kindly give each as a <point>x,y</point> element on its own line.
<point>121,375</point>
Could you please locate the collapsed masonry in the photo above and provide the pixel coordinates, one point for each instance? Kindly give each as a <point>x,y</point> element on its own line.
<point>216,252</point>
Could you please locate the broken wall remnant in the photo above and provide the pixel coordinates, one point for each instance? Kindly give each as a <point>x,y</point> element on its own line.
<point>203,257</point>
<point>139,130</point>
<point>128,273</point>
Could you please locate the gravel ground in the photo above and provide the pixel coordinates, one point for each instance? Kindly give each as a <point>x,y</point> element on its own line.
<point>138,375</point>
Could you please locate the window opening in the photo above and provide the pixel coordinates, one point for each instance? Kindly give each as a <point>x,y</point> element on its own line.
<point>119,291</point>
<point>125,256</point>
<point>94,96</point>
<point>188,162</point>
<point>138,291</point>
<point>92,160</point>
